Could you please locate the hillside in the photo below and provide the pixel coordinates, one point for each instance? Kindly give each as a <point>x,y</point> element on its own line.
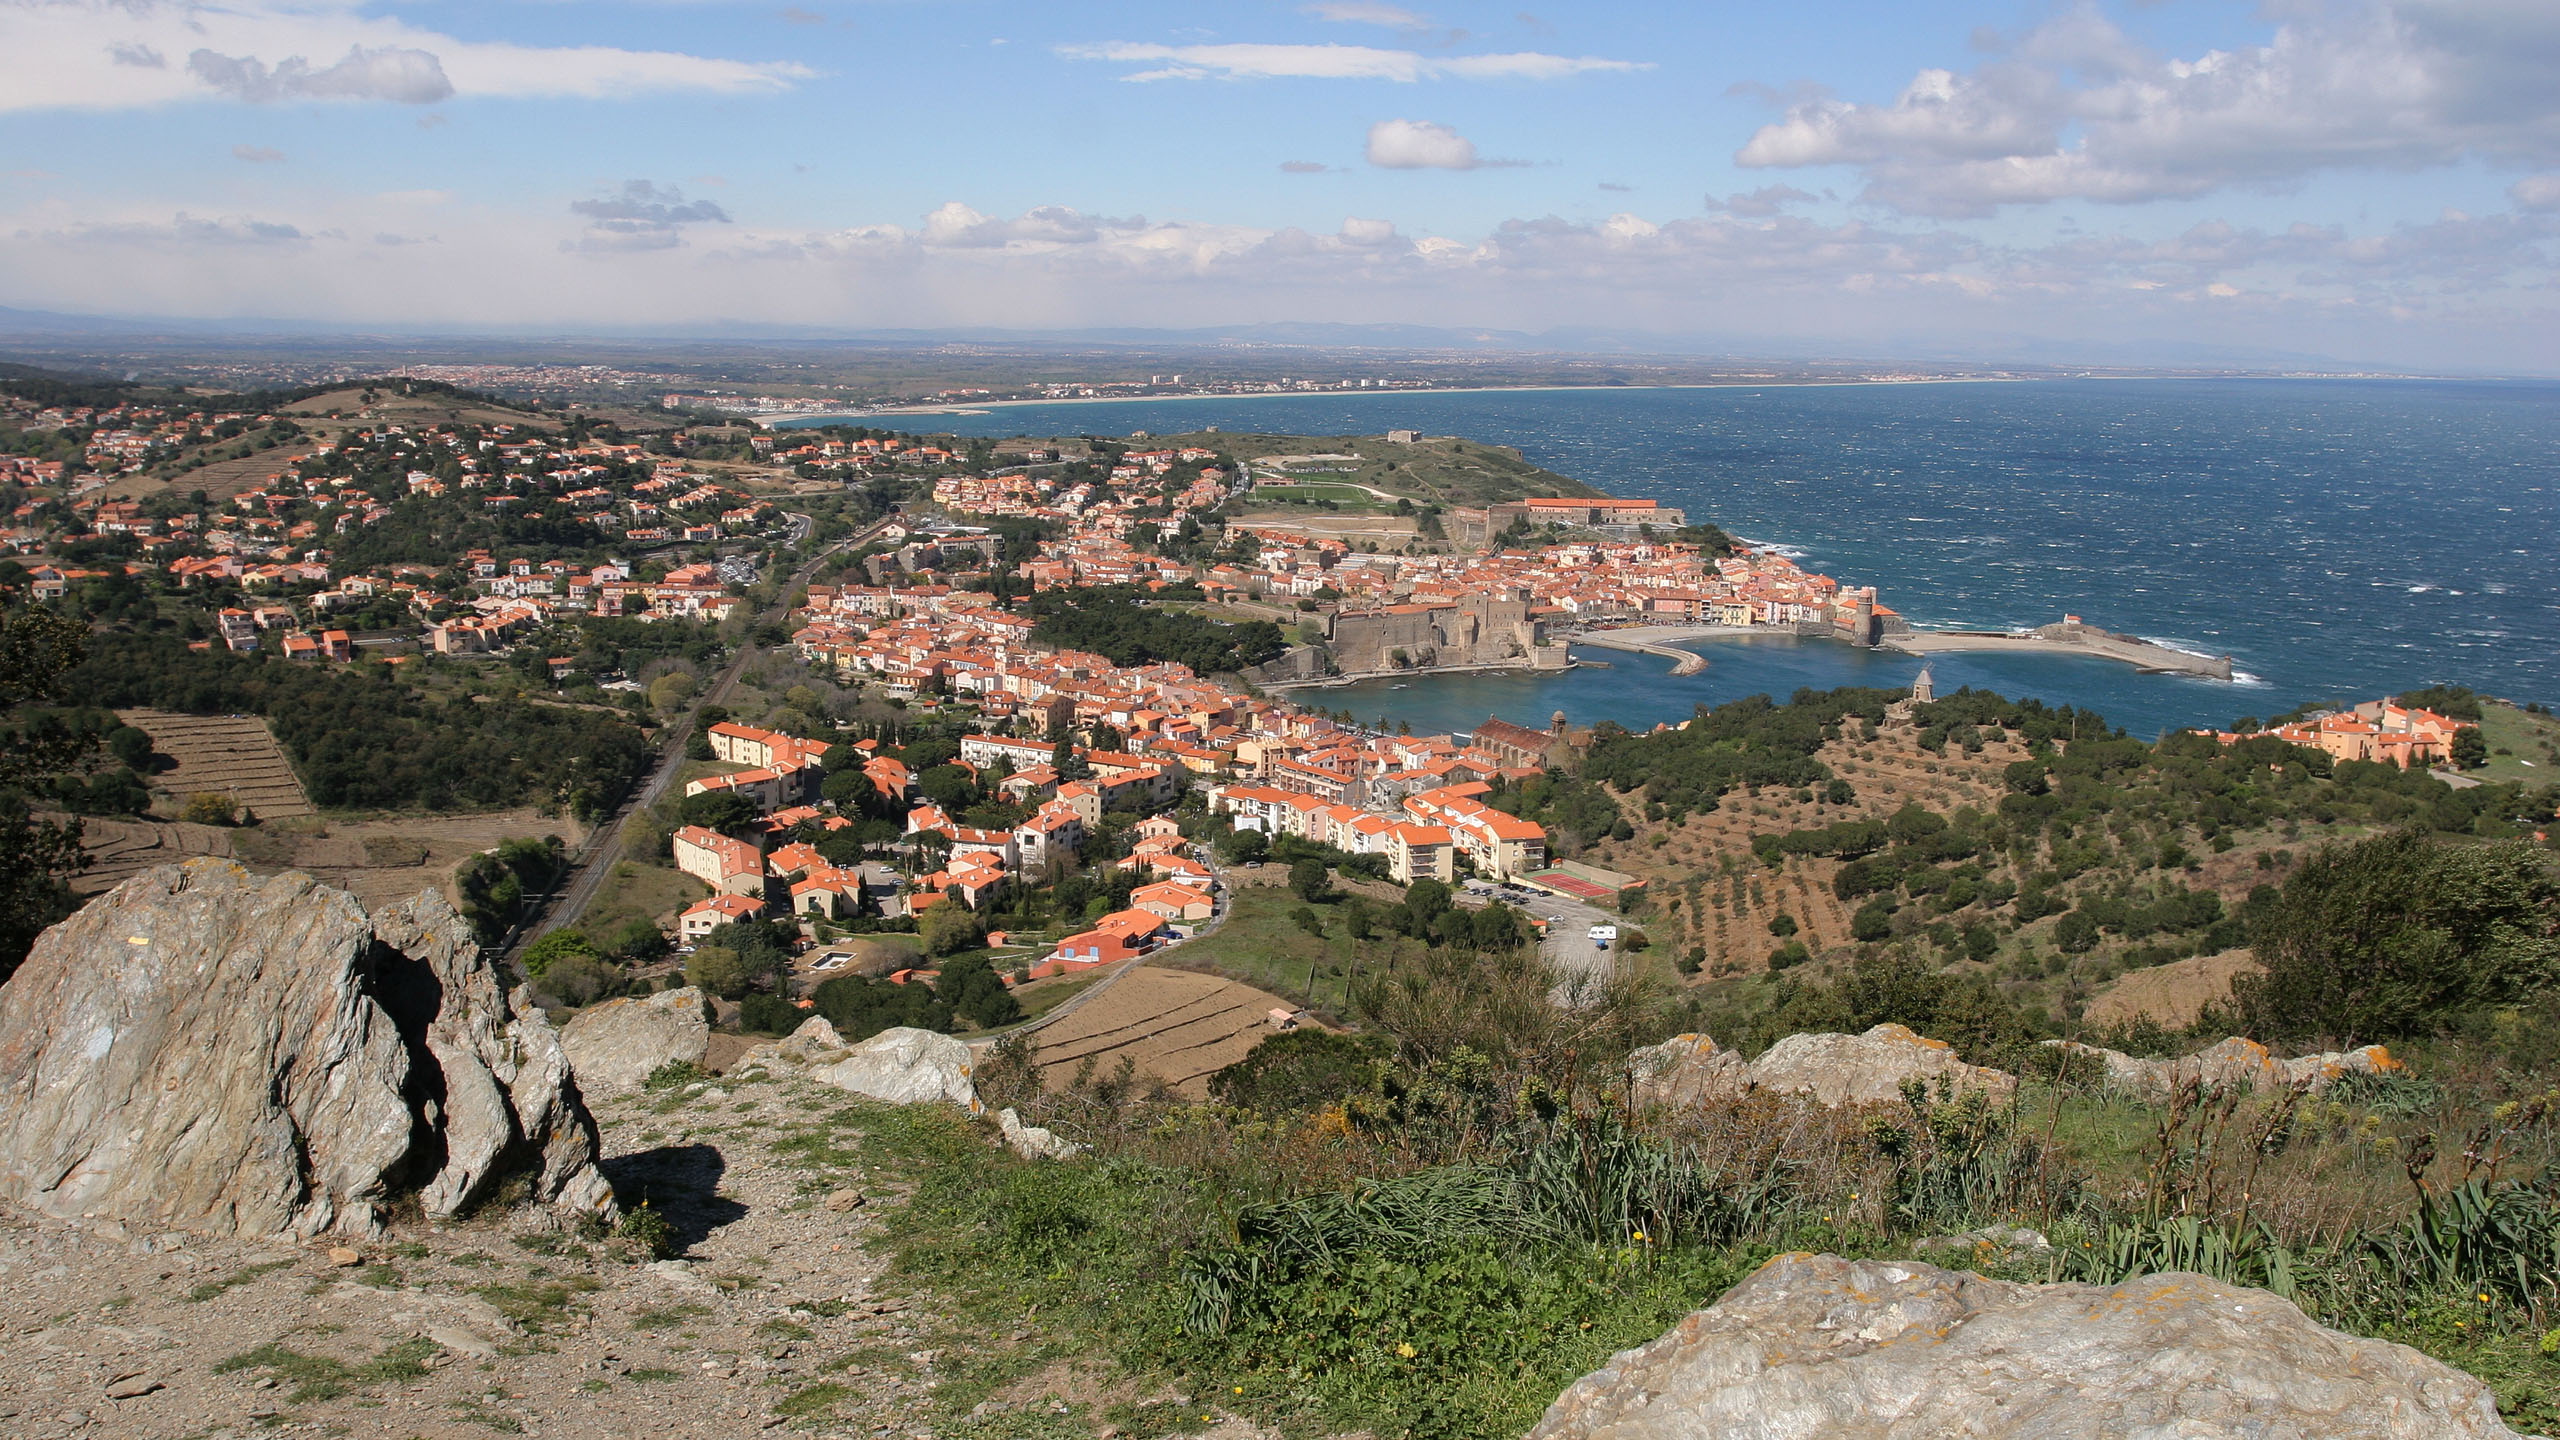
<point>1975,833</point>
<point>1436,470</point>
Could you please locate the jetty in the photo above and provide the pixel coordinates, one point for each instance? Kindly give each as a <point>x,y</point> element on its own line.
<point>1646,639</point>
<point>2072,636</point>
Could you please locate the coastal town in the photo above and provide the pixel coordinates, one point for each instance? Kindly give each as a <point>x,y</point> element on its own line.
<point>975,584</point>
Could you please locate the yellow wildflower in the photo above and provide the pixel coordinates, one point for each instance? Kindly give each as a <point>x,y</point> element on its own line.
<point>1406,1350</point>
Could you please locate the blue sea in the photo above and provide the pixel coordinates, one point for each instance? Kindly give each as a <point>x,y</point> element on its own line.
<point>2338,539</point>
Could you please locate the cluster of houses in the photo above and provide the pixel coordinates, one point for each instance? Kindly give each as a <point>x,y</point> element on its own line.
<point>282,534</point>
<point>765,871</point>
<point>2380,731</point>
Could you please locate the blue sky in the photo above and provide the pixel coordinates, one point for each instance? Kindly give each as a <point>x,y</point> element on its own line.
<point>2377,180</point>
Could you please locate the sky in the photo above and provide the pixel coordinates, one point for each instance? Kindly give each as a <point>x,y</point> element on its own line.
<point>2371,181</point>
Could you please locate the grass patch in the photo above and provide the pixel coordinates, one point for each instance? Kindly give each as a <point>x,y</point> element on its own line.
<point>666,1317</point>
<point>1262,947</point>
<point>812,1399</point>
<point>537,1304</point>
<point>320,1377</point>
<point>781,1329</point>
<point>242,1276</point>
<point>653,1374</point>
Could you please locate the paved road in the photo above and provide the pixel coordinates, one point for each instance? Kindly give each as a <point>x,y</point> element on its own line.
<point>603,849</point>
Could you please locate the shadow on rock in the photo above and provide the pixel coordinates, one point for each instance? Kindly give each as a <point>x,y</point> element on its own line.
<point>681,1182</point>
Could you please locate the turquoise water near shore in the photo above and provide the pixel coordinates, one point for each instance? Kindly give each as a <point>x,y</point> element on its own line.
<point>2338,539</point>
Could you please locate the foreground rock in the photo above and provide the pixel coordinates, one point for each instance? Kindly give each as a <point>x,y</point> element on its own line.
<point>2233,1064</point>
<point>1033,1142</point>
<point>907,1066</point>
<point>814,1043</point>
<point>620,1043</point>
<point>204,1049</point>
<point>1689,1071</point>
<point>1814,1345</point>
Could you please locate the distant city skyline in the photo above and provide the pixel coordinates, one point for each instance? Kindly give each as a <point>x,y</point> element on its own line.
<point>2376,181</point>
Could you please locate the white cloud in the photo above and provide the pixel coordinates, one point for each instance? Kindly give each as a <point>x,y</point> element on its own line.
<point>2076,109</point>
<point>1335,62</point>
<point>1419,145</point>
<point>641,216</point>
<point>1365,12</point>
<point>2537,192</point>
<point>1758,204</point>
<point>1368,234</point>
<point>409,77</point>
<point>114,54</point>
<point>2460,290</point>
<point>257,154</point>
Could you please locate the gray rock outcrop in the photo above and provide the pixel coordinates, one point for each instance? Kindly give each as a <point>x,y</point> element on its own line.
<point>205,1049</point>
<point>1686,1072</point>
<point>1813,1345</point>
<point>907,1066</point>
<point>814,1043</point>
<point>2235,1063</point>
<point>618,1044</point>
<point>1033,1142</point>
<point>1689,1071</point>
<point>1869,1068</point>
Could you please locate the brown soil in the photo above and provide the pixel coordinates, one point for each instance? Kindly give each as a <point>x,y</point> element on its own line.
<point>235,755</point>
<point>2173,994</point>
<point>1175,1025</point>
<point>379,861</point>
<point>118,848</point>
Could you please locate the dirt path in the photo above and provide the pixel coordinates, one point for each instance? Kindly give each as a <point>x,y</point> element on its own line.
<point>497,1326</point>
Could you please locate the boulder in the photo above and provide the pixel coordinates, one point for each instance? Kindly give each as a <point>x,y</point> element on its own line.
<point>618,1044</point>
<point>208,1050</point>
<point>1881,1350</point>
<point>1869,1068</point>
<point>2229,1064</point>
<point>1032,1142</point>
<point>1685,1072</point>
<point>906,1066</point>
<point>814,1043</point>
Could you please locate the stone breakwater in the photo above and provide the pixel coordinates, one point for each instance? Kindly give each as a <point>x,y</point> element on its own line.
<point>2071,637</point>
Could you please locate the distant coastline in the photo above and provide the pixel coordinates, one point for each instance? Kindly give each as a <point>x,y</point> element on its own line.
<point>984,407</point>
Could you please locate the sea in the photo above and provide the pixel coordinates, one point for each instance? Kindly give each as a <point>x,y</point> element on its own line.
<point>2339,539</point>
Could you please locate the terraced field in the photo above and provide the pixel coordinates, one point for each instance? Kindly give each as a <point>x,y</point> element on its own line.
<point>1173,1024</point>
<point>233,755</point>
<point>1717,896</point>
<point>118,848</point>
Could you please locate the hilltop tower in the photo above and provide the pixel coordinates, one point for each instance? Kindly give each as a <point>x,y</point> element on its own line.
<point>1924,688</point>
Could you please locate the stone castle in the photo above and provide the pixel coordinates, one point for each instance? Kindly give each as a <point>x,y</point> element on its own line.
<point>1478,630</point>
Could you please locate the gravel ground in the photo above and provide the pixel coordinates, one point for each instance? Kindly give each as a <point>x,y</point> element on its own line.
<point>772,1319</point>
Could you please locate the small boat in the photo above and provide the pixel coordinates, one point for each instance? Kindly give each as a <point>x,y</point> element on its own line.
<point>1399,687</point>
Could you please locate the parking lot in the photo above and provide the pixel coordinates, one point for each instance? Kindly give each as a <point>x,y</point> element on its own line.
<point>1569,948</point>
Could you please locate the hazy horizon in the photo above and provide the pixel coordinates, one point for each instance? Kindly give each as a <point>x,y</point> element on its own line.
<point>2362,182</point>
